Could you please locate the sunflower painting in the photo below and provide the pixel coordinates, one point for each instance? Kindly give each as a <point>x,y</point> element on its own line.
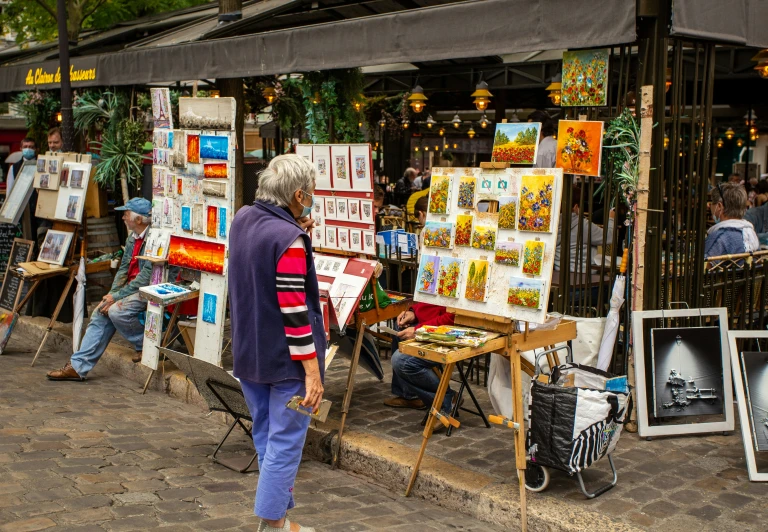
<point>533,257</point>
<point>439,194</point>
<point>477,280</point>
<point>448,279</point>
<point>525,293</point>
<point>463,230</point>
<point>579,145</point>
<point>585,78</point>
<point>507,212</point>
<point>536,203</point>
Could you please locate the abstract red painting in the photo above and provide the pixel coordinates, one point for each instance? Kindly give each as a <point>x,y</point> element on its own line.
<point>196,254</point>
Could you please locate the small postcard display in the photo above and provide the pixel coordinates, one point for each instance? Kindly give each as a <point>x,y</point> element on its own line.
<point>343,211</point>
<point>489,240</point>
<point>61,180</point>
<point>193,175</point>
<point>341,282</point>
<point>682,371</point>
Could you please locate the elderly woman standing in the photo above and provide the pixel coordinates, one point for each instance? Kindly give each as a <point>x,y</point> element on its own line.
<point>278,340</point>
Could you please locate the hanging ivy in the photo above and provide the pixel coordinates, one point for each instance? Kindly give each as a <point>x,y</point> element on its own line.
<point>333,118</point>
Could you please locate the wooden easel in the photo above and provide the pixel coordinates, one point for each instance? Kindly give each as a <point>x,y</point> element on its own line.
<point>509,345</point>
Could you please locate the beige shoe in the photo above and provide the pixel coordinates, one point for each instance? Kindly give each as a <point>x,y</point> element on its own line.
<point>264,527</point>
<point>67,373</point>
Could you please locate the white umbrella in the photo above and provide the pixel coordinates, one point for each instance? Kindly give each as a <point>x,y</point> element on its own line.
<point>13,158</point>
<point>78,303</point>
<point>611,324</point>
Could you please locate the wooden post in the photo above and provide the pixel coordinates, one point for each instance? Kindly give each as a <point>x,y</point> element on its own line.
<point>638,271</point>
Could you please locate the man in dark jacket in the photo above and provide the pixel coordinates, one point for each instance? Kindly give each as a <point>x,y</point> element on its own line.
<point>119,310</point>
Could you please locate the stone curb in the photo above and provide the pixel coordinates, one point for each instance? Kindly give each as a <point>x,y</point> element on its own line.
<point>386,462</point>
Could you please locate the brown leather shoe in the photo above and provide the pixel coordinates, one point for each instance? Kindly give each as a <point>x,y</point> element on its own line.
<point>67,373</point>
<point>400,402</point>
<point>136,358</point>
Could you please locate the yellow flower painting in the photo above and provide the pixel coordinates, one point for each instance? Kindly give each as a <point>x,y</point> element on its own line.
<point>536,203</point>
<point>439,194</point>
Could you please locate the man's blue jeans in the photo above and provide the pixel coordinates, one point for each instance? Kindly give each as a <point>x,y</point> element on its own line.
<point>123,317</point>
<point>420,378</point>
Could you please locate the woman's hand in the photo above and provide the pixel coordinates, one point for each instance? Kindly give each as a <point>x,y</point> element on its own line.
<point>407,334</point>
<point>405,318</point>
<point>313,384</point>
<point>305,223</point>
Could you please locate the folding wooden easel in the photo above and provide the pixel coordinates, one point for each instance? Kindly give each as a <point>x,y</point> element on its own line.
<point>510,344</point>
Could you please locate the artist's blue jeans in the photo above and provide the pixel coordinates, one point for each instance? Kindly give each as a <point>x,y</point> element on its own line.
<point>420,378</point>
<point>122,317</point>
<point>278,435</point>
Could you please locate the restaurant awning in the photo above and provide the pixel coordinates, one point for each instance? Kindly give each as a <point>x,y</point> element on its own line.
<point>450,31</point>
<point>743,22</point>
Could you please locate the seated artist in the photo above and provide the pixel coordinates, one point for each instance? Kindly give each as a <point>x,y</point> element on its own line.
<point>414,381</point>
<point>119,310</point>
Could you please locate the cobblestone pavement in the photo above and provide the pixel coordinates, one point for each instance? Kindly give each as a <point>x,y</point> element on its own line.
<point>687,483</point>
<point>100,456</point>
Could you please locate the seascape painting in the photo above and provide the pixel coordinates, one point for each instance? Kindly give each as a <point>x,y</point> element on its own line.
<point>214,147</point>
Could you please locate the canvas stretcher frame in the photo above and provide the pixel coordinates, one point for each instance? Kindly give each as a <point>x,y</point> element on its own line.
<point>744,415</point>
<point>645,429</point>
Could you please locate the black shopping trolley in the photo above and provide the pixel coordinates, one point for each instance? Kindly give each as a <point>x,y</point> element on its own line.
<point>574,422</point>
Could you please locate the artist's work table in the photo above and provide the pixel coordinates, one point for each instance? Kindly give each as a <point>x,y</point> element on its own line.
<point>509,345</point>
<point>362,321</point>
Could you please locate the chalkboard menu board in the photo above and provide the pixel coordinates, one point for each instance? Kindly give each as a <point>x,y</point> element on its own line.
<point>8,232</point>
<point>21,251</point>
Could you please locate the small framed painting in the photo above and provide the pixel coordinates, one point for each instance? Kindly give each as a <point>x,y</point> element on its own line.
<point>508,253</point>
<point>55,247</point>
<point>463,230</point>
<point>426,279</point>
<point>437,234</point>
<point>476,286</point>
<point>533,257</point>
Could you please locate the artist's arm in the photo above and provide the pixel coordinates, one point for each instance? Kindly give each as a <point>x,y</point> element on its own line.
<point>142,279</point>
<point>446,318</point>
<point>122,272</point>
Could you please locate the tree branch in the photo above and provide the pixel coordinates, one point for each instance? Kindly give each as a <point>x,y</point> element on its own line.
<point>87,14</point>
<point>48,8</point>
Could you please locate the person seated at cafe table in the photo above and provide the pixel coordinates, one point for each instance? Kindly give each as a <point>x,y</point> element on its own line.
<point>119,310</point>
<point>731,234</point>
<point>587,228</point>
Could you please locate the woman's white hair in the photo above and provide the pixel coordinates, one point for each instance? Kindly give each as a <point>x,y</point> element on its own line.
<point>283,177</point>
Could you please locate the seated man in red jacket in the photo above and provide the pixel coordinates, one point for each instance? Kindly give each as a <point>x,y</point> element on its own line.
<point>414,381</point>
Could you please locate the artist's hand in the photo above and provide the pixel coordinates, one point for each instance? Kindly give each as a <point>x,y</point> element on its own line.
<point>612,213</point>
<point>407,334</point>
<point>106,302</point>
<point>313,385</point>
<point>306,223</point>
<point>405,318</point>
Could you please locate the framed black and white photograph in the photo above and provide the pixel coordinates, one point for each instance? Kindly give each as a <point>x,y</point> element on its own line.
<point>750,376</point>
<point>687,371</point>
<point>682,370</point>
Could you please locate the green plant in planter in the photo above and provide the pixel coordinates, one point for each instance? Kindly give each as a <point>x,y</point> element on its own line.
<point>99,111</point>
<point>120,156</point>
<point>38,109</point>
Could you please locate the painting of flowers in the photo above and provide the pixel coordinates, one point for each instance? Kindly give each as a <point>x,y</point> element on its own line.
<point>427,277</point>
<point>477,281</point>
<point>484,237</point>
<point>448,279</point>
<point>507,212</point>
<point>437,234</point>
<point>533,257</point>
<point>579,144</point>
<point>439,192</point>
<point>516,143</point>
<point>525,293</point>
<point>508,253</point>
<point>536,195</point>
<point>467,192</point>
<point>463,230</point>
<point>585,78</point>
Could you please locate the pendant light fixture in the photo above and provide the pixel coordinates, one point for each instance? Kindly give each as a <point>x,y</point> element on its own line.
<point>417,100</point>
<point>484,122</point>
<point>471,132</point>
<point>456,121</point>
<point>269,94</point>
<point>430,121</point>
<point>482,96</point>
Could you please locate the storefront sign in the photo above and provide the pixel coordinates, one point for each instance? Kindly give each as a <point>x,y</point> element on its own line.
<point>43,76</point>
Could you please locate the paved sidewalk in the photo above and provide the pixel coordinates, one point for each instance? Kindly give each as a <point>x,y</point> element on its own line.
<point>100,456</point>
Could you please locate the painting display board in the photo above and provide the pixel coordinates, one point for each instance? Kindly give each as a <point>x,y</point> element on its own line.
<point>750,376</point>
<point>65,201</point>
<point>682,372</point>
<point>496,263</point>
<point>18,199</point>
<point>343,210</point>
<point>193,185</point>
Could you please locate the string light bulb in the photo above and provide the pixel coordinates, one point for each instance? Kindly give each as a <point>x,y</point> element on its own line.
<point>456,121</point>
<point>430,121</point>
<point>729,133</point>
<point>471,132</point>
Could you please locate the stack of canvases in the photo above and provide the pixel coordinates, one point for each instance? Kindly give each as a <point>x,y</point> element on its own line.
<point>343,210</point>
<point>193,205</point>
<point>496,262</point>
